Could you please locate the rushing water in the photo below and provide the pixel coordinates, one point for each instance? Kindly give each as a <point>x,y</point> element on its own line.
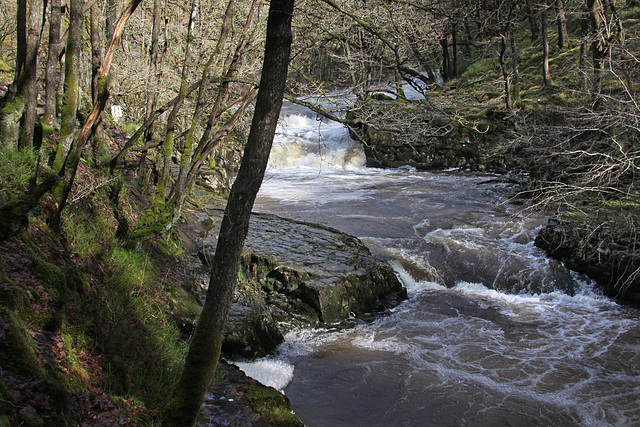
<point>493,332</point>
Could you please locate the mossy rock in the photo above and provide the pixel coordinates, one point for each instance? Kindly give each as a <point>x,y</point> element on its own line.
<point>273,406</point>
<point>78,282</point>
<point>30,417</point>
<point>50,273</point>
<point>15,298</point>
<point>19,349</point>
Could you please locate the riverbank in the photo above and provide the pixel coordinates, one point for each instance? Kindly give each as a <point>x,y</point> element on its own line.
<point>580,175</point>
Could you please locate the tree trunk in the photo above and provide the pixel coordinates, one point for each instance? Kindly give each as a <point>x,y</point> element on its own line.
<point>18,106</point>
<point>505,73</point>
<point>111,18</point>
<point>34,33</point>
<point>167,149</point>
<point>454,48</point>
<point>69,168</point>
<point>51,74</point>
<point>99,148</point>
<point>561,19</point>
<point>153,80</point>
<point>204,350</point>
<point>545,47</point>
<point>599,45</point>
<point>70,96</point>
<point>533,22</point>
<point>446,61</point>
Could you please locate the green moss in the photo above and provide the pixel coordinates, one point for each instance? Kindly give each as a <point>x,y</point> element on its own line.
<point>31,419</point>
<point>273,406</point>
<point>76,378</point>
<point>7,399</point>
<point>18,167</point>
<point>19,349</point>
<point>50,273</point>
<point>183,302</point>
<point>4,67</point>
<point>15,298</point>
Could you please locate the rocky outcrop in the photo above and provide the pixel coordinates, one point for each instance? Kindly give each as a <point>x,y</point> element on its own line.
<point>300,274</point>
<point>604,253</point>
<point>424,140</point>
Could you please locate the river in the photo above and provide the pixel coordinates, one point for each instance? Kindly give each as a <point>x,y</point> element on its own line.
<point>493,332</point>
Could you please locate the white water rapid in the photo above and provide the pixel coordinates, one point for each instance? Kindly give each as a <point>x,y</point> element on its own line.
<point>493,332</point>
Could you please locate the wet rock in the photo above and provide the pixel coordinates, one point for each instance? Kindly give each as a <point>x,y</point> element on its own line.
<point>233,399</point>
<point>301,274</point>
<point>606,255</point>
<point>251,332</point>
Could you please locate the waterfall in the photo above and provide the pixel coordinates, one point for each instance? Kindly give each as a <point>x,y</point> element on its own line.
<point>304,142</point>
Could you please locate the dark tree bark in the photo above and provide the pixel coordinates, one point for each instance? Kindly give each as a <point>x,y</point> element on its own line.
<point>533,22</point>
<point>204,350</point>
<point>561,20</point>
<point>99,137</point>
<point>21,36</point>
<point>446,59</point>
<point>96,49</point>
<point>454,48</point>
<point>111,18</point>
<point>505,73</point>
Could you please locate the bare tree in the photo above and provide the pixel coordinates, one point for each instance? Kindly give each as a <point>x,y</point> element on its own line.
<point>204,350</point>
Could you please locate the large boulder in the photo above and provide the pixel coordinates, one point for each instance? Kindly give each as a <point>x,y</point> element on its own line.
<point>300,274</point>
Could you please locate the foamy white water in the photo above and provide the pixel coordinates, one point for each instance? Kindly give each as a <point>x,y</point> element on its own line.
<point>304,141</point>
<point>493,332</point>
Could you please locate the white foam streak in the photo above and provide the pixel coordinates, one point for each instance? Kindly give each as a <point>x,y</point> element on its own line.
<point>268,371</point>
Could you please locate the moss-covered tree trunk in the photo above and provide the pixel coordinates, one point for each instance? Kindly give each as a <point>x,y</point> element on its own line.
<point>17,107</point>
<point>204,350</point>
<point>68,123</point>
<point>35,25</point>
<point>51,74</point>
<point>99,138</point>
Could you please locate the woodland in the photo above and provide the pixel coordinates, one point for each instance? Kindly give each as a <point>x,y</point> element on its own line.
<point>114,113</point>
